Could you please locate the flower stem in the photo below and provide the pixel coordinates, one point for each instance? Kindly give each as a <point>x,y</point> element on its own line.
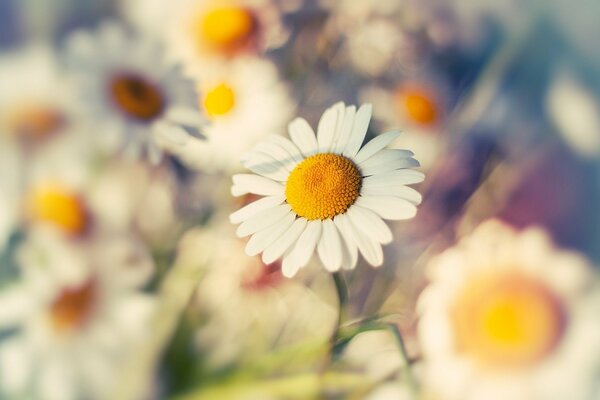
<point>407,367</point>
<point>342,294</point>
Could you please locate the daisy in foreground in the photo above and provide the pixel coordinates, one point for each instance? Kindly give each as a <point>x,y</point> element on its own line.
<point>508,316</point>
<point>142,101</point>
<point>325,192</point>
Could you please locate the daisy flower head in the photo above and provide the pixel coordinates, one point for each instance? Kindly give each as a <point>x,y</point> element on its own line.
<point>237,98</point>
<point>143,100</point>
<point>509,316</point>
<point>72,315</point>
<point>325,192</point>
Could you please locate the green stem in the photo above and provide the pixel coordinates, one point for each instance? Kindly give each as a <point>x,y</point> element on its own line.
<point>407,367</point>
<point>342,294</point>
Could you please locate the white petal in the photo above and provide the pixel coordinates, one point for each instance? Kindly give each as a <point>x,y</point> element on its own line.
<point>384,162</point>
<point>370,223</point>
<point>155,153</point>
<point>378,143</point>
<point>255,207</point>
<point>404,192</point>
<point>275,250</point>
<point>263,220</point>
<point>350,256</point>
<point>303,250</point>
<point>369,248</point>
<point>276,152</point>
<point>344,131</point>
<point>330,248</point>
<point>288,146</point>
<point>385,156</point>
<point>265,165</point>
<point>170,132</point>
<point>303,136</point>
<point>359,130</point>
<point>262,239</point>
<point>250,183</point>
<point>185,116</point>
<point>388,207</point>
<point>393,178</point>
<point>327,127</point>
<point>288,267</point>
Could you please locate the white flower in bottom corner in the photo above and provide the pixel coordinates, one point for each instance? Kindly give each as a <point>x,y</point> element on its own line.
<point>325,192</point>
<point>72,317</point>
<point>508,316</point>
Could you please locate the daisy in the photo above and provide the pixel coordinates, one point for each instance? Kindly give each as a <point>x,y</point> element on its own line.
<point>72,316</point>
<point>139,100</point>
<point>325,192</point>
<point>237,99</point>
<point>508,316</point>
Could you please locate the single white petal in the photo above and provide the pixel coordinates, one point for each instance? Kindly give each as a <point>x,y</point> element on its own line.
<point>330,248</point>
<point>262,220</point>
<point>304,247</point>
<point>275,250</point>
<point>368,246</point>
<point>393,178</point>
<point>185,116</point>
<point>378,143</point>
<point>359,130</point>
<point>327,127</point>
<point>255,207</point>
<point>382,165</point>
<point>350,256</point>
<point>345,130</point>
<point>289,268</point>
<point>264,238</point>
<point>404,192</point>
<point>276,152</point>
<point>303,136</point>
<point>371,223</point>
<point>385,156</point>
<point>288,146</point>
<point>250,183</point>
<point>265,165</point>
<point>388,207</point>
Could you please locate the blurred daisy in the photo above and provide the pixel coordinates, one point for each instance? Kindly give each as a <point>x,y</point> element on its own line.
<point>200,30</point>
<point>141,100</point>
<point>36,101</point>
<point>238,99</point>
<point>508,316</point>
<point>73,316</point>
<point>419,104</point>
<point>325,192</point>
<point>251,308</point>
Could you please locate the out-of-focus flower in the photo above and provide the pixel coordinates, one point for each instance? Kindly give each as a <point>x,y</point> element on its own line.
<point>201,30</point>
<point>420,104</point>
<point>391,391</point>
<point>252,309</point>
<point>325,192</point>
<point>141,100</point>
<point>509,316</point>
<point>73,315</point>
<point>575,111</point>
<point>239,99</point>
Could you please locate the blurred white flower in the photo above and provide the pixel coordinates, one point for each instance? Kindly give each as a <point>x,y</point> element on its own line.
<point>245,101</point>
<point>136,100</point>
<point>575,110</point>
<point>508,316</point>
<point>72,316</point>
<point>326,193</point>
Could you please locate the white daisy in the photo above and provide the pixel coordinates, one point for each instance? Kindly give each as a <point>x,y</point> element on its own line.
<point>72,316</point>
<point>237,99</point>
<point>325,192</point>
<point>508,316</point>
<point>140,100</point>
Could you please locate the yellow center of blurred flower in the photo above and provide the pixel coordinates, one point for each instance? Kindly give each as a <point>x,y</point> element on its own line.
<point>35,121</point>
<point>227,29</point>
<point>59,207</point>
<point>72,307</point>
<point>136,97</point>
<point>323,186</point>
<point>220,100</point>
<point>419,106</point>
<point>508,321</point>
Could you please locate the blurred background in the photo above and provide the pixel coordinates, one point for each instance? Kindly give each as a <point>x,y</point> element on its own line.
<point>120,274</point>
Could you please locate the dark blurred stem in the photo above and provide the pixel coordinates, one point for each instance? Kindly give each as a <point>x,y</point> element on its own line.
<point>342,294</point>
<point>407,372</point>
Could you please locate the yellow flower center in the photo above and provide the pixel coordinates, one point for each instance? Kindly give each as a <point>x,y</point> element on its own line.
<point>323,186</point>
<point>419,106</point>
<point>136,97</point>
<point>227,29</point>
<point>219,100</point>
<point>72,307</point>
<point>59,207</point>
<point>35,121</point>
<point>508,321</point>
